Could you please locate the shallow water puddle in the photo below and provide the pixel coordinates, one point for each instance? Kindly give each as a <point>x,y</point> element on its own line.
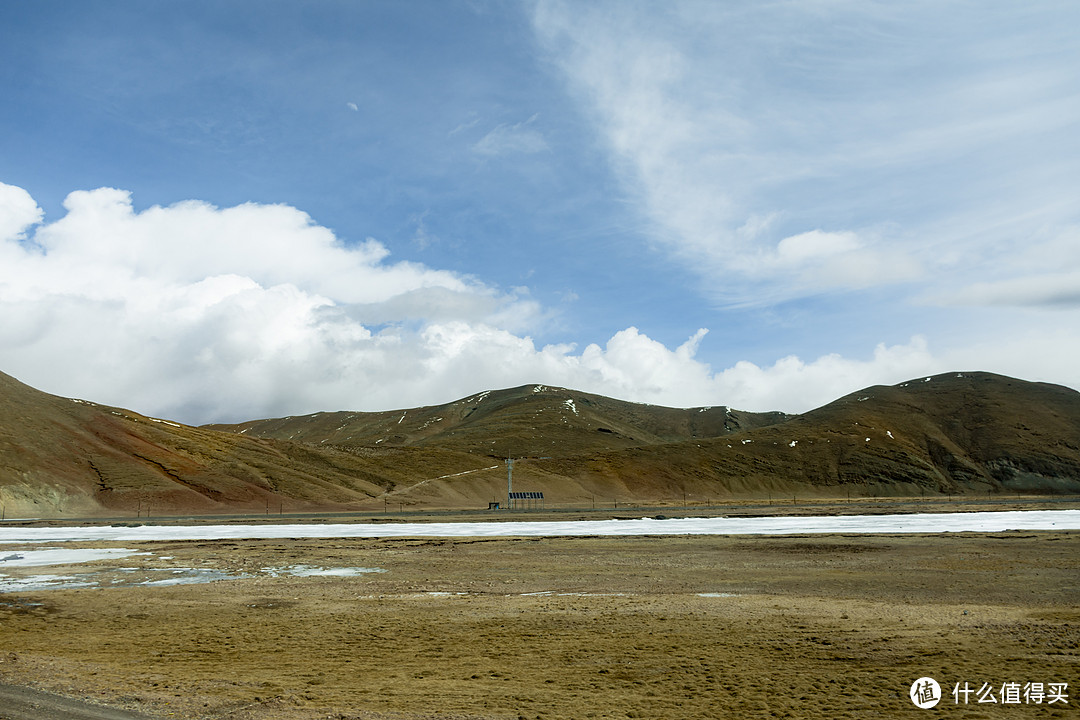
<point>42,582</point>
<point>191,576</point>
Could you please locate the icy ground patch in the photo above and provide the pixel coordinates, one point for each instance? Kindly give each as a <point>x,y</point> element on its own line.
<point>61,556</point>
<point>148,574</point>
<point>309,571</point>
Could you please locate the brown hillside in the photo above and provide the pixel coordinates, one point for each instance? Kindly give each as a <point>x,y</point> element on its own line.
<point>949,434</point>
<point>528,421</point>
<point>64,456</point>
<point>974,429</point>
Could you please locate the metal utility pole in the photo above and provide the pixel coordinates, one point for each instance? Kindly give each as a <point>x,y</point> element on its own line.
<point>509,481</point>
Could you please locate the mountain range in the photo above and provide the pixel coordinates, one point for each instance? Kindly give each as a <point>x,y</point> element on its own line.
<point>956,433</point>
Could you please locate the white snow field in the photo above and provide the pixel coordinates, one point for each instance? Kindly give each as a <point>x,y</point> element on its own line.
<point>861,524</point>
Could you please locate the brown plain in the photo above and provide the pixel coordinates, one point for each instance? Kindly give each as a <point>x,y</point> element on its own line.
<point>635,627</point>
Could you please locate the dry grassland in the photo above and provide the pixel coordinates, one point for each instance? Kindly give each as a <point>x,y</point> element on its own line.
<point>801,627</point>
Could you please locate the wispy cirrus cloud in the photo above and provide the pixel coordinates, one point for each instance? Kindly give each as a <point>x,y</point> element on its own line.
<point>1049,290</point>
<point>1046,275</point>
<point>519,138</point>
<point>912,143</point>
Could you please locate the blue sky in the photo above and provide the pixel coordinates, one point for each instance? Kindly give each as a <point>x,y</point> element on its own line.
<point>224,210</point>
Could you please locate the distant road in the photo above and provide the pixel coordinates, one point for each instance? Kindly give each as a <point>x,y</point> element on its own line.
<point>20,703</point>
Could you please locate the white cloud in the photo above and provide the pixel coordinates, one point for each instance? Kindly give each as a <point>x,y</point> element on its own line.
<point>798,148</point>
<point>512,139</point>
<point>816,261</point>
<point>814,245</point>
<point>18,212</point>
<point>200,313</point>
<point>635,367</point>
<point>632,365</point>
<point>1046,276</point>
<point>793,385</point>
<point>1060,289</point>
<point>102,246</point>
<point>1033,347</point>
<point>464,126</point>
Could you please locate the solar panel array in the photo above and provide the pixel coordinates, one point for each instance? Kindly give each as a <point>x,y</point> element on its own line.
<point>530,495</point>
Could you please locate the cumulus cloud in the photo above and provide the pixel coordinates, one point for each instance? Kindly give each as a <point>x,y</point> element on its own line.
<point>201,313</point>
<point>796,386</point>
<point>18,212</point>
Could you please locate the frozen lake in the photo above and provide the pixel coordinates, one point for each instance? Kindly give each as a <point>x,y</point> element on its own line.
<point>861,524</point>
